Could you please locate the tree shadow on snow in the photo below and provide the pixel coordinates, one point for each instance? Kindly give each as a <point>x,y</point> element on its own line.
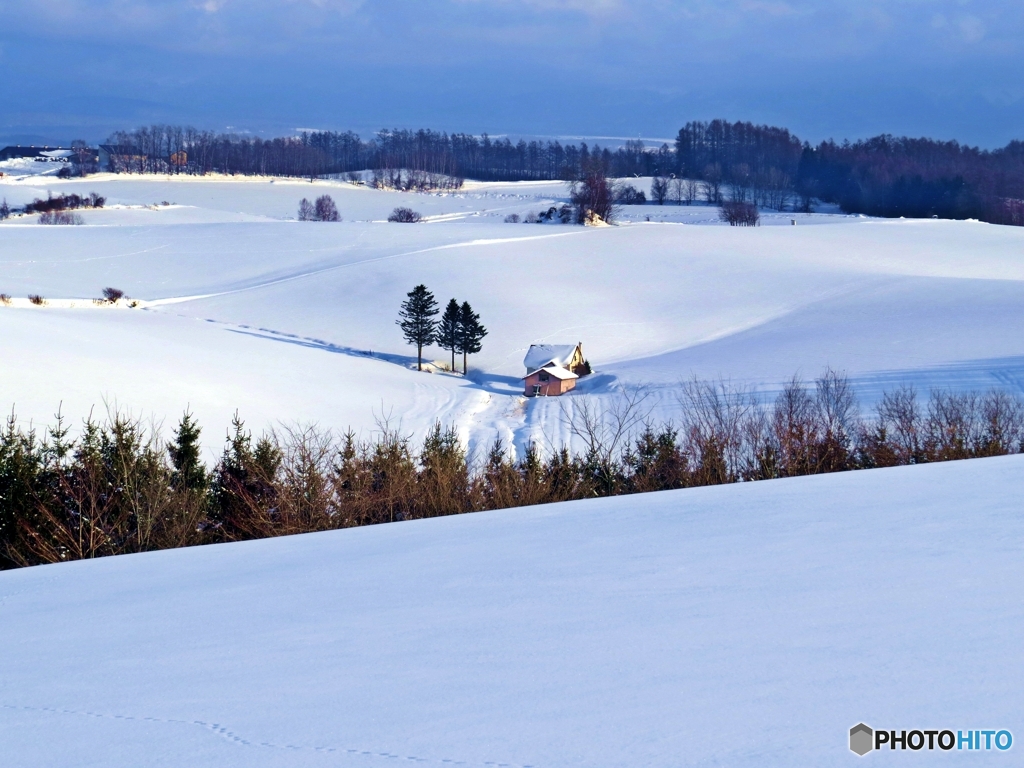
<point>325,346</point>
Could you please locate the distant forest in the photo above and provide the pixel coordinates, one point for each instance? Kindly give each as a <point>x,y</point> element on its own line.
<point>883,176</point>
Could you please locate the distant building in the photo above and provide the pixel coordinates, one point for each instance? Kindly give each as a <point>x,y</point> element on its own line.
<point>120,157</point>
<point>56,154</point>
<point>552,369</point>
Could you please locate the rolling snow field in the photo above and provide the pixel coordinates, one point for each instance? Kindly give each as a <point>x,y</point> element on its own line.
<point>243,308</point>
<point>743,625</point>
<point>747,625</point>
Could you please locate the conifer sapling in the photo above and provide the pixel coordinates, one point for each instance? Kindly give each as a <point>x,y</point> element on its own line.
<point>189,473</point>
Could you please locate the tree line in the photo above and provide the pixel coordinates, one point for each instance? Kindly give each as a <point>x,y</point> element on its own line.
<point>120,488</point>
<point>401,159</point>
<point>882,176</point>
<point>764,165</point>
<point>891,176</point>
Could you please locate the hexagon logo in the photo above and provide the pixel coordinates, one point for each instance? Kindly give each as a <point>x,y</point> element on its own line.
<point>862,739</point>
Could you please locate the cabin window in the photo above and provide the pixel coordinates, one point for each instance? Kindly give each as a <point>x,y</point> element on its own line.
<point>544,376</point>
<point>536,390</point>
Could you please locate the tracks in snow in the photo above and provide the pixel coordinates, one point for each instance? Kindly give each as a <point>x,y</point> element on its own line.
<point>235,738</point>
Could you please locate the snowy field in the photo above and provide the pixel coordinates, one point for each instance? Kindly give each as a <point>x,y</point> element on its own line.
<point>242,307</point>
<point>747,625</point>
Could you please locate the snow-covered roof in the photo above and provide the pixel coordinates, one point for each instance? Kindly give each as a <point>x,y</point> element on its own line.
<point>540,355</point>
<point>554,370</point>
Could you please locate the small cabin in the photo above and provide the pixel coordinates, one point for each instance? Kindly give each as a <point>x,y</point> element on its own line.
<point>552,369</point>
<point>549,381</point>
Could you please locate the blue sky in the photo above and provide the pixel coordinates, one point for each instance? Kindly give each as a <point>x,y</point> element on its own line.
<point>942,68</point>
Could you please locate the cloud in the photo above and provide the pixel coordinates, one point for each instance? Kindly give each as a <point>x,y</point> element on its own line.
<point>588,7</point>
<point>972,29</point>
<point>770,8</point>
<point>633,61</point>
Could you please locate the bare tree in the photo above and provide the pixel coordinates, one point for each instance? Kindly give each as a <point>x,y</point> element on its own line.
<point>604,432</point>
<point>677,190</point>
<point>715,415</point>
<point>713,184</point>
<point>899,424</point>
<point>795,429</point>
<point>1002,418</point>
<point>324,209</point>
<point>593,196</point>
<point>692,191</point>
<point>837,417</point>
<point>659,189</point>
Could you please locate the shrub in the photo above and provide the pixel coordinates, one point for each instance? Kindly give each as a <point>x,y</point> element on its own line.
<point>112,295</point>
<point>739,214</point>
<point>630,195</point>
<point>64,203</point>
<point>306,210</point>
<point>563,214</point>
<point>5,299</point>
<point>512,218</point>
<point>531,218</point>
<point>324,209</point>
<point>405,216</point>
<point>36,299</point>
<point>60,217</point>
<point>5,210</point>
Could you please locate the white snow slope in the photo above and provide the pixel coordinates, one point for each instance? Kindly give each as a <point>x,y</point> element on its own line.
<point>745,625</point>
<point>285,321</point>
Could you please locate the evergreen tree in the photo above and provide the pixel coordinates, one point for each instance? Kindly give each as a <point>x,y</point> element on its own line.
<point>416,319</point>
<point>448,328</point>
<point>244,481</point>
<point>189,473</point>
<point>471,333</point>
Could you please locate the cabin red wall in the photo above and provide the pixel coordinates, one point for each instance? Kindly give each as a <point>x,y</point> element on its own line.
<point>551,388</point>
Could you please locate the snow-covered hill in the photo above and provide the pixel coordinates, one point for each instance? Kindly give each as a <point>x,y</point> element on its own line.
<point>743,625</point>
<point>245,308</point>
